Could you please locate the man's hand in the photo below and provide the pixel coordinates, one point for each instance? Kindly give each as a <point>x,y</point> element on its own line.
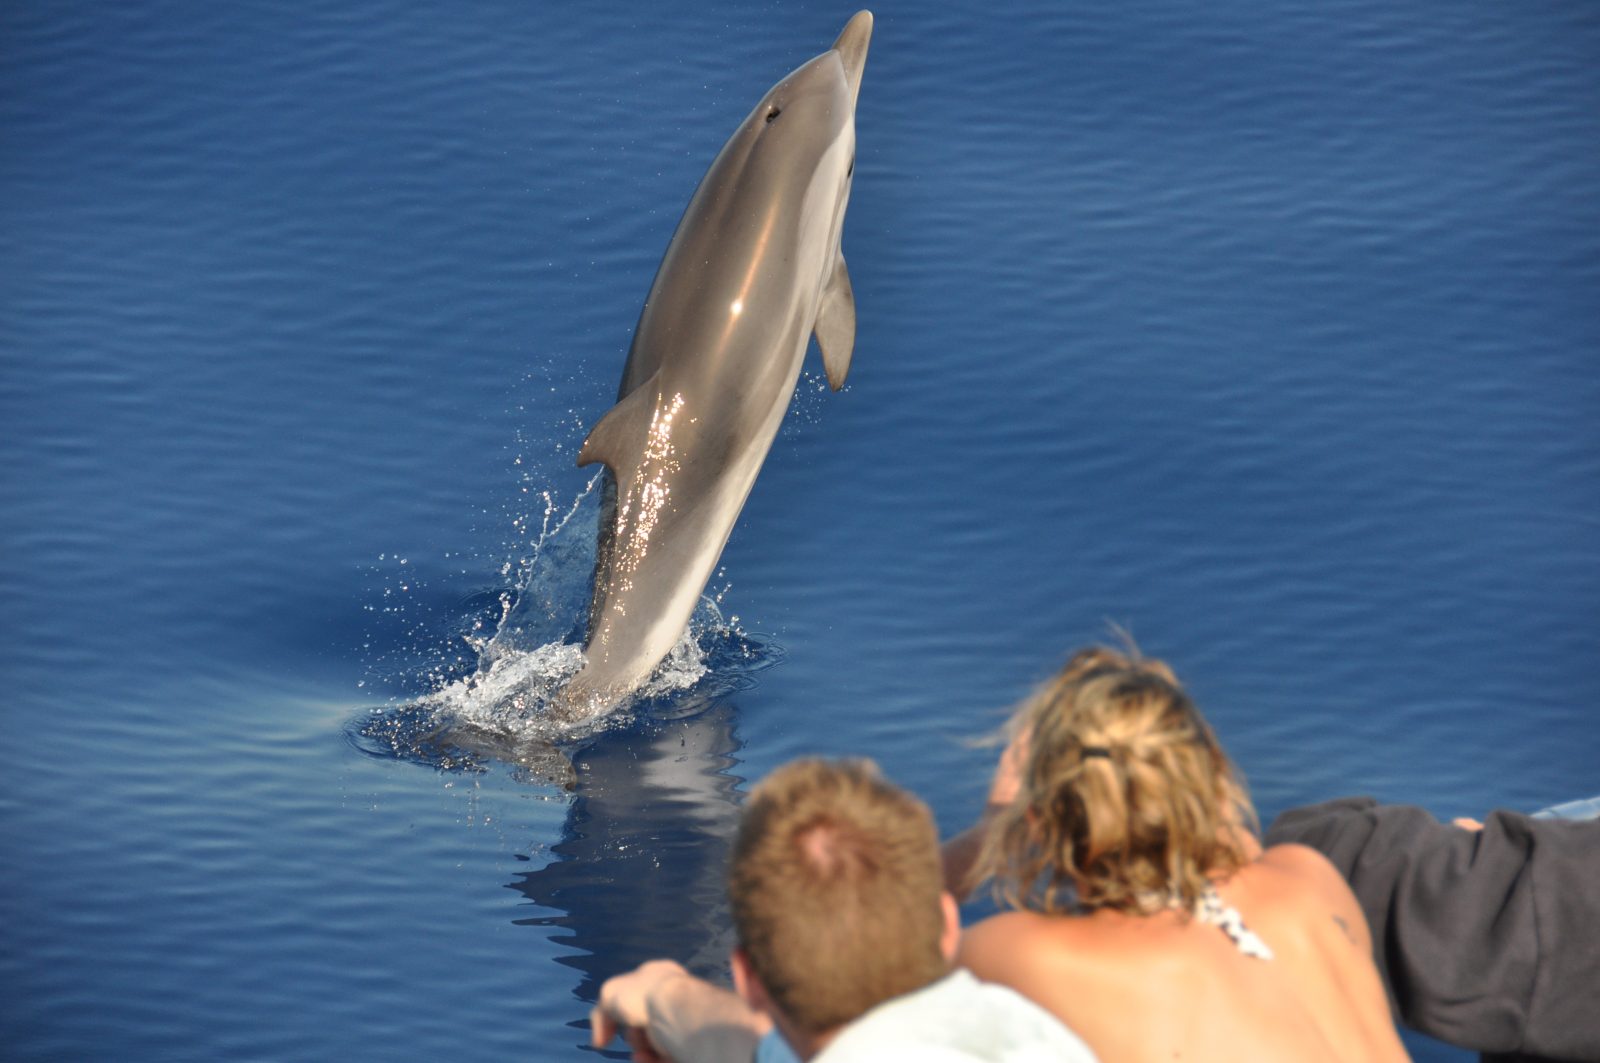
<point>665,1013</point>
<point>624,1008</point>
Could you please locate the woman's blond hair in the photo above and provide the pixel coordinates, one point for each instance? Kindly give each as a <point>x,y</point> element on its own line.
<point>1126,799</point>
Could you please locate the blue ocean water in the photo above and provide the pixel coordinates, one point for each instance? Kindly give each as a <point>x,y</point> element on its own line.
<point>1265,330</point>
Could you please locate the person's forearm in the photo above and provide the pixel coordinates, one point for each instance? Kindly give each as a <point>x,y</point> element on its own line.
<point>960,853</point>
<point>693,1020</point>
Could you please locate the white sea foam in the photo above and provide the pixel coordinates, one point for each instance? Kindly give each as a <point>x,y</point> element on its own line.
<point>524,645</point>
<point>512,686</point>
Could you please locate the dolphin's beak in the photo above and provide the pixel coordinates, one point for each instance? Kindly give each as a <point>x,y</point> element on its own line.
<point>852,49</point>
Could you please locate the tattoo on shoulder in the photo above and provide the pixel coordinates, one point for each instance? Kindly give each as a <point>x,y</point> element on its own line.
<point>1344,926</point>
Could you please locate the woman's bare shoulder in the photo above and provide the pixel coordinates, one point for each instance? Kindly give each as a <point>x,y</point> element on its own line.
<point>1313,885</point>
<point>999,949</point>
<point>1306,864</point>
<point>1005,945</point>
<point>999,933</point>
<point>1064,963</point>
<point>1058,944</point>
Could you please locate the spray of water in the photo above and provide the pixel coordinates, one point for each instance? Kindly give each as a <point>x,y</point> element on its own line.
<point>527,642</point>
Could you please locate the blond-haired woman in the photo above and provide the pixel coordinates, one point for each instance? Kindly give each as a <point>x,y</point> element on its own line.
<point>1143,912</point>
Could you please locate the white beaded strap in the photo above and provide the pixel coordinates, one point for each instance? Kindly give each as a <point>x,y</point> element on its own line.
<point>1212,912</point>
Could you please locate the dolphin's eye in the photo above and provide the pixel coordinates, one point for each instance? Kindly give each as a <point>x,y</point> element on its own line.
<point>774,113</point>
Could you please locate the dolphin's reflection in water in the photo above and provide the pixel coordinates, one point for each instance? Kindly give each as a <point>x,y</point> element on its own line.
<point>639,870</point>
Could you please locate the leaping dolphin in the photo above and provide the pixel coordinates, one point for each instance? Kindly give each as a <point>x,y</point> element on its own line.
<point>752,271</point>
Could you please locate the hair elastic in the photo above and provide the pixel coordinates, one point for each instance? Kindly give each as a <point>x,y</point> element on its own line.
<point>1095,751</point>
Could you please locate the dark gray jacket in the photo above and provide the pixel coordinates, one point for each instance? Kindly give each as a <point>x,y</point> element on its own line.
<point>1486,939</point>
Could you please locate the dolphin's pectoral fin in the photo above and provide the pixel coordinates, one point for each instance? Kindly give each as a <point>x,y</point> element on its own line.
<point>836,324</point>
<point>618,438</point>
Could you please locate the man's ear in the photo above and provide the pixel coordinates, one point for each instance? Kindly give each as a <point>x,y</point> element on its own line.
<point>950,939</point>
<point>747,984</point>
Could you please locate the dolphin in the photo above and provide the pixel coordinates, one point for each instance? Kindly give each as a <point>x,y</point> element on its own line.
<point>753,270</point>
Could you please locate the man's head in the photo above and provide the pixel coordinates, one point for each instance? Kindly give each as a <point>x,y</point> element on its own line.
<point>837,894</point>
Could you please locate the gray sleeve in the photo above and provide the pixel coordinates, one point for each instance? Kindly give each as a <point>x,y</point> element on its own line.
<point>1486,939</point>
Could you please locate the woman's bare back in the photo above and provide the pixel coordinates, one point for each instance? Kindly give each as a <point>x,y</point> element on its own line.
<point>1165,987</point>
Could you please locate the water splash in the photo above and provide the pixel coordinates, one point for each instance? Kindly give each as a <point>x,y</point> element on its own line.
<point>523,641</point>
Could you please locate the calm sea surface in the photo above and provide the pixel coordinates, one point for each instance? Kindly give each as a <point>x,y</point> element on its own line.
<point>1269,331</point>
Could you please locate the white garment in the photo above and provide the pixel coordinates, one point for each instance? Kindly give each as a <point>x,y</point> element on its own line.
<point>957,1019</point>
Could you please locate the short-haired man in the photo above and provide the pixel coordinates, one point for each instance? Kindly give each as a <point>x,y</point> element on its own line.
<point>846,942</point>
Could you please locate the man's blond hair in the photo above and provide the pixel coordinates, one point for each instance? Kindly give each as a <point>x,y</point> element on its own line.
<point>835,885</point>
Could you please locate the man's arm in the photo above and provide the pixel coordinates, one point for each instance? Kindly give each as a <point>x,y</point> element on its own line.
<point>666,1014</point>
<point>960,853</point>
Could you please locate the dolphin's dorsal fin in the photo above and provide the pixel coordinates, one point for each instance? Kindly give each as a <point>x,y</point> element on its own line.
<point>836,324</point>
<point>622,430</point>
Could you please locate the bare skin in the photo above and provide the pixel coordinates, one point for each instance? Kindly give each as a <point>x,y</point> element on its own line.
<point>1163,987</point>
<point>665,1014</point>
